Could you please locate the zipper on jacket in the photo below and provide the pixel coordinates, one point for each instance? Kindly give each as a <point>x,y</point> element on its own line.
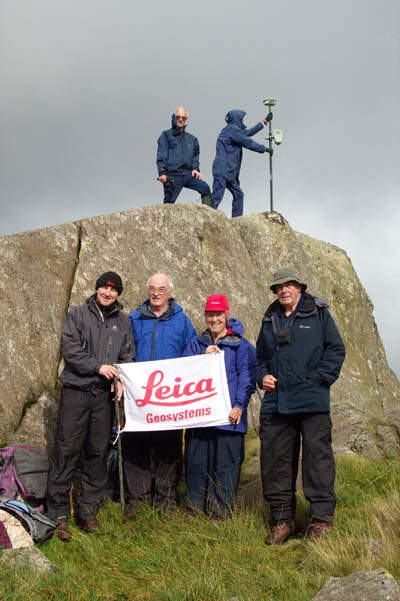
<point>100,312</point>
<point>153,339</point>
<point>183,148</point>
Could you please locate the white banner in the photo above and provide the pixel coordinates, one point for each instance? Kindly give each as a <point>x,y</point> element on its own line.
<point>172,394</point>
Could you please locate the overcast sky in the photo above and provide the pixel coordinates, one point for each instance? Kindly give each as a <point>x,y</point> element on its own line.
<point>87,87</point>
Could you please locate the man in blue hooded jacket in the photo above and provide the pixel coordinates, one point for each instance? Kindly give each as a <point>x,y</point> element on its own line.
<point>178,164</point>
<point>226,166</point>
<point>153,460</point>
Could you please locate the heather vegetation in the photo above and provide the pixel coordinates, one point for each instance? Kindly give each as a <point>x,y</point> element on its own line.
<point>172,557</point>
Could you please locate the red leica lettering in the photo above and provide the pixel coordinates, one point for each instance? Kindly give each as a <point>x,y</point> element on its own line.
<point>155,394</point>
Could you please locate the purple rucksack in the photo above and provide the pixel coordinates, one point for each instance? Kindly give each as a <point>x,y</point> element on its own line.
<point>23,475</point>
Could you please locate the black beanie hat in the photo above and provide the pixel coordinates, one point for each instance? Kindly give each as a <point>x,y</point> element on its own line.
<point>110,278</point>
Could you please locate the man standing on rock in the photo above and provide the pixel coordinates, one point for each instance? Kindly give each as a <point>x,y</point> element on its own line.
<point>228,159</point>
<point>153,460</point>
<point>299,356</point>
<point>178,157</point>
<point>95,336</point>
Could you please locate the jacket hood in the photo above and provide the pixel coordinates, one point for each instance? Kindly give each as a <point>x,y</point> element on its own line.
<point>144,310</point>
<point>235,117</point>
<point>310,302</point>
<point>174,124</point>
<point>236,326</point>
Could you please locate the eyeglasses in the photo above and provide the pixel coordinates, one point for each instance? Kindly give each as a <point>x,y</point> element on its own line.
<point>180,117</point>
<point>290,284</point>
<point>153,290</point>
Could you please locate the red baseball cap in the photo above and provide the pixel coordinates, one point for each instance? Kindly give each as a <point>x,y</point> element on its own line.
<point>217,302</point>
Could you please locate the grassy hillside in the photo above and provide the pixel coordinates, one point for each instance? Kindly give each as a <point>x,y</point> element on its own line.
<point>161,557</point>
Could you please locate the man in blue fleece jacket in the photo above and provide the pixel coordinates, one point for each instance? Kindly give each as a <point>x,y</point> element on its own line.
<point>153,460</point>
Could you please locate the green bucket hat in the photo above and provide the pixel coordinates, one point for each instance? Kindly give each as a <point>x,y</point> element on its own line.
<point>286,274</point>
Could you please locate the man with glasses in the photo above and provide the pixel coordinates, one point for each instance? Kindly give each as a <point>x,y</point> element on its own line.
<point>178,160</point>
<point>153,460</point>
<point>299,356</point>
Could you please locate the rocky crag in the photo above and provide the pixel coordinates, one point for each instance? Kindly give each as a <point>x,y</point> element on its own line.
<point>44,272</point>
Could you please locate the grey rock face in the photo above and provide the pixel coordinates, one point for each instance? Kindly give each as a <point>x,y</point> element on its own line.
<point>375,585</point>
<point>47,271</point>
<point>27,558</point>
<point>39,424</point>
<point>37,271</point>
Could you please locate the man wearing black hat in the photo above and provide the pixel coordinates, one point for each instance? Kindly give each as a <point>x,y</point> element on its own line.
<point>95,336</point>
<point>299,356</point>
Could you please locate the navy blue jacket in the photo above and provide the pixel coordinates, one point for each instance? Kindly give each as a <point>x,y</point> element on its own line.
<point>240,366</point>
<point>230,142</point>
<point>178,152</point>
<point>305,368</point>
<point>163,337</point>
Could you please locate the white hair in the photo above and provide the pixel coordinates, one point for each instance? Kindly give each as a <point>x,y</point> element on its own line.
<point>183,108</point>
<point>170,282</point>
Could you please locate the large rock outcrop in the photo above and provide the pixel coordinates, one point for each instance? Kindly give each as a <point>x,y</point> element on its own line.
<point>37,273</point>
<point>46,271</point>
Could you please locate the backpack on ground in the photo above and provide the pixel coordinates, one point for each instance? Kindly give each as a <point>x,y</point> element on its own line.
<point>12,533</point>
<point>23,475</point>
<point>38,525</point>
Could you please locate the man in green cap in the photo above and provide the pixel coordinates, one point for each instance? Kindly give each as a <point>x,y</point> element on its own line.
<point>299,355</point>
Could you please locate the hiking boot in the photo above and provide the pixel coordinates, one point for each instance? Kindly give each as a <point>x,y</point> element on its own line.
<point>207,200</point>
<point>132,509</point>
<point>280,533</point>
<point>89,526</point>
<point>319,530</point>
<point>63,532</point>
<point>129,515</point>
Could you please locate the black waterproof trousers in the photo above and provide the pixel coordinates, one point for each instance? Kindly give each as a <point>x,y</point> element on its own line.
<point>281,436</point>
<point>152,467</point>
<point>213,460</point>
<point>84,423</point>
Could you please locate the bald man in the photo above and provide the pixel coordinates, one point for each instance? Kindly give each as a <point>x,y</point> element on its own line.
<point>153,460</point>
<point>178,160</point>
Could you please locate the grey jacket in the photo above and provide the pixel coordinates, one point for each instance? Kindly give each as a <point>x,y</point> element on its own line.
<point>91,339</point>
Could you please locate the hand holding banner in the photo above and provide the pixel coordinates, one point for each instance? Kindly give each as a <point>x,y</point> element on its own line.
<point>189,392</point>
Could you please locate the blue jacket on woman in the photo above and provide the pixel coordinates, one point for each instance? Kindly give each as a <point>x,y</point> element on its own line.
<point>178,152</point>
<point>240,366</point>
<point>307,366</point>
<point>163,337</point>
<point>233,137</point>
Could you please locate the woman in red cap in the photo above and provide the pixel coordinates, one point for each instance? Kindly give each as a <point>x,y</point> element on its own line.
<point>214,455</point>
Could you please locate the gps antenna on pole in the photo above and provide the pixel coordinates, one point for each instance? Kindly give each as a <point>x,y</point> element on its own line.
<point>273,136</point>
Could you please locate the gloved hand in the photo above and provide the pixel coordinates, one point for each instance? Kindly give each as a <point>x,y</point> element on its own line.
<point>270,150</point>
<point>268,118</point>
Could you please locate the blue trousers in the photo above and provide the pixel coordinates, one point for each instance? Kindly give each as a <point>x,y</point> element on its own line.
<point>172,191</point>
<point>213,459</point>
<point>219,186</point>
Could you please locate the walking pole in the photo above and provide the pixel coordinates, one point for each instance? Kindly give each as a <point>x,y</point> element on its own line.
<point>119,449</point>
<point>276,136</point>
